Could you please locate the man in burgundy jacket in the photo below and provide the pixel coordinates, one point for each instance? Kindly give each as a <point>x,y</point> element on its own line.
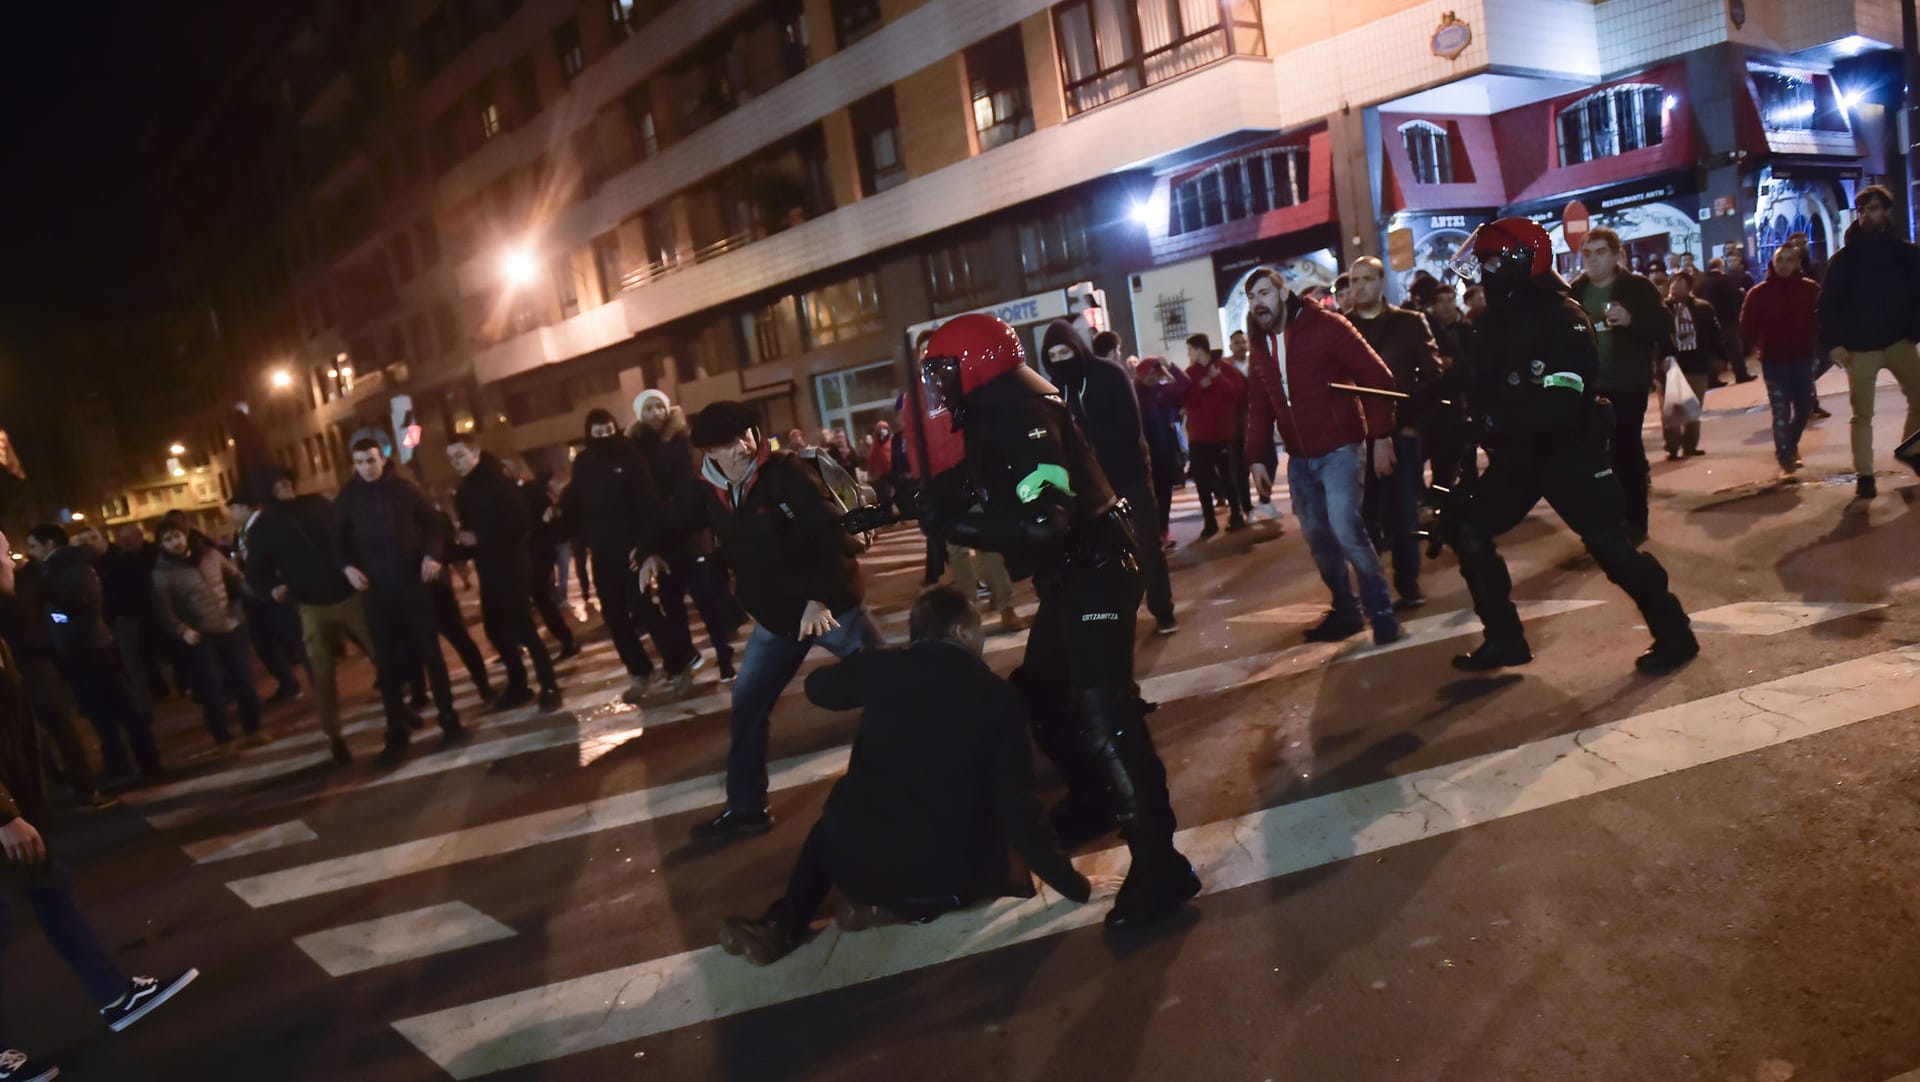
<point>1299,351</point>
<point>1780,319</point>
<point>1215,396</point>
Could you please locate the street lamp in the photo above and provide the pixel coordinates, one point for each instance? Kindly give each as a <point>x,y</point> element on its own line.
<point>516,267</point>
<point>281,379</point>
<point>177,449</point>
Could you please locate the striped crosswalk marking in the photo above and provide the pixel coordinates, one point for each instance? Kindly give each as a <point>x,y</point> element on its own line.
<point>248,842</point>
<point>401,937</point>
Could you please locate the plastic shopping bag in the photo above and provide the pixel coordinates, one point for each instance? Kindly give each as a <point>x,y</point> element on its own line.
<point>1681,406</point>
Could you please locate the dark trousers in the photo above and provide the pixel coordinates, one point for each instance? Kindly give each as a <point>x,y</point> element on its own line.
<point>1216,473</point>
<point>452,625</point>
<point>543,597</point>
<point>1086,711</point>
<point>1163,485</point>
<point>703,578</point>
<point>220,668</point>
<point>1144,515</point>
<point>622,603</point>
<point>400,620</point>
<point>100,687</point>
<point>52,706</point>
<point>506,612</point>
<point>1629,453</point>
<point>49,893</point>
<point>1393,512</point>
<point>275,631</point>
<point>807,886</point>
<point>580,565</point>
<point>1790,396</point>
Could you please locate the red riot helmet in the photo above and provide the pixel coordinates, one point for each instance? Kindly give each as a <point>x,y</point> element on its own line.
<point>1505,253</point>
<point>965,354</point>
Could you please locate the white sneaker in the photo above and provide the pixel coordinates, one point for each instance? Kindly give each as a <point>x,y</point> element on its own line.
<point>17,1066</point>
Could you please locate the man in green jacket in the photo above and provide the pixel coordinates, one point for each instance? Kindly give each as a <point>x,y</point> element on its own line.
<point>1630,320</point>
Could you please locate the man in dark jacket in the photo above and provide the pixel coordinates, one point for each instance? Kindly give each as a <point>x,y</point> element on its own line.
<point>777,527</point>
<point>28,866</point>
<point>1724,286</point>
<point>72,602</point>
<point>290,559</point>
<point>126,585</point>
<point>193,594</point>
<point>24,629</point>
<point>388,543</point>
<point>1099,392</point>
<point>1404,340</point>
<point>615,500</point>
<point>660,431</point>
<point>543,544</point>
<point>494,527</point>
<point>1696,348</point>
<point>1632,324</point>
<point>1870,319</point>
<point>939,787</point>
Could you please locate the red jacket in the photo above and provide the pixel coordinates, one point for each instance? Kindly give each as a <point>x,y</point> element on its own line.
<point>1314,419</point>
<point>1213,412</point>
<point>1781,318</point>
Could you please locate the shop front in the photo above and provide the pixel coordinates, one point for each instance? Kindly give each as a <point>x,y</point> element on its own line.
<point>1815,199</point>
<point>1658,219</point>
<point>1305,259</point>
<point>1433,238</point>
<point>1027,315</point>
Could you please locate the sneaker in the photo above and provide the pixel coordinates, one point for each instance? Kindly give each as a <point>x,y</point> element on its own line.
<point>1386,630</point>
<point>1494,654</point>
<point>452,732</point>
<point>1209,530</point>
<point>1166,627</point>
<point>1010,622</point>
<point>512,699</point>
<point>699,662</point>
<point>142,997</point>
<point>1788,476</point>
<point>550,701</point>
<point>418,703</point>
<point>1167,543</point>
<point>17,1066</point>
<point>761,942</point>
<point>414,721</point>
<point>342,755</point>
<point>568,650</point>
<point>1411,600</point>
<point>637,689</point>
<point>1865,489</point>
<point>726,671</point>
<point>395,749</point>
<point>1696,452</point>
<point>1337,626</point>
<point>1673,455</point>
<point>731,825</point>
<point>256,740</point>
<point>1143,900</point>
<point>680,684</point>
<point>1911,462</point>
<point>1818,414</point>
<point>1236,523</point>
<point>283,695</point>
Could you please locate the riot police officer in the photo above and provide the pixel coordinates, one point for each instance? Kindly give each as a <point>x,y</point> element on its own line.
<point>1010,472</point>
<point>1546,434</point>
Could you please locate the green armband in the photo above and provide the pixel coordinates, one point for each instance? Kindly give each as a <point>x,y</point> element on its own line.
<point>1043,475</point>
<point>1569,380</point>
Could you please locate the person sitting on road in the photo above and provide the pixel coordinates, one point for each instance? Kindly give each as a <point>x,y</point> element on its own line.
<point>939,786</point>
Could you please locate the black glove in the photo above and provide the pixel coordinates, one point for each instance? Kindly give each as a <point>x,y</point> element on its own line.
<point>863,519</point>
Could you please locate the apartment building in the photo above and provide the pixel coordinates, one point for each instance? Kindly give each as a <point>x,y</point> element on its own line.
<point>516,210</point>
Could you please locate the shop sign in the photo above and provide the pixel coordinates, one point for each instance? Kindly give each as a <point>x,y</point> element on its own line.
<point>1451,38</point>
<point>1400,249</point>
<point>1039,308</point>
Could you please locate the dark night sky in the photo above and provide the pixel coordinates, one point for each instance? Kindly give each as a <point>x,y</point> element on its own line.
<point>94,95</point>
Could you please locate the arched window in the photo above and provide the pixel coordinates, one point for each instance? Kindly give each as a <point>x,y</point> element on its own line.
<point>1429,151</point>
<point>1612,121</point>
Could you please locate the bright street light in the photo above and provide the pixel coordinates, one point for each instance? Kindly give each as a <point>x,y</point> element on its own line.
<point>1142,213</point>
<point>282,379</point>
<point>1849,99</point>
<point>177,449</point>
<point>516,267</point>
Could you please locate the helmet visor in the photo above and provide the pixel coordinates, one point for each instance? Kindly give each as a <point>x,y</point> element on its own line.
<point>940,376</point>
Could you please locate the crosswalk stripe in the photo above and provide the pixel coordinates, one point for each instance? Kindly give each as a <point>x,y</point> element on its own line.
<point>644,805</point>
<point>248,842</point>
<point>401,937</point>
<point>635,1001</point>
<point>1775,617</point>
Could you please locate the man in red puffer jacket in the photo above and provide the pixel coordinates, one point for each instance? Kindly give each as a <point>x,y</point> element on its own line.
<point>1299,351</point>
<point>1781,320</point>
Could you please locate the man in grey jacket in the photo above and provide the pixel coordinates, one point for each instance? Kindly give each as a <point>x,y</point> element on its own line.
<point>193,603</point>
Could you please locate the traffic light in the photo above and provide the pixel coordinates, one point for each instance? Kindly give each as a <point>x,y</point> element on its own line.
<point>406,426</point>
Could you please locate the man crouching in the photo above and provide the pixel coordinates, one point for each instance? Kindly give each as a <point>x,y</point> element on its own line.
<point>939,787</point>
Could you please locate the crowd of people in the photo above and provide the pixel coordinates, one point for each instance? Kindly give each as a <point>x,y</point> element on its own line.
<point>1056,469</point>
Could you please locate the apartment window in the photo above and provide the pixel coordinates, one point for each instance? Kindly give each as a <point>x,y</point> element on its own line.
<point>876,137</point>
<point>855,19</point>
<point>526,88</point>
<point>489,119</point>
<point>1611,121</point>
<point>663,240</point>
<point>1111,48</point>
<point>426,242</point>
<point>772,330</point>
<point>1054,248</point>
<point>842,310</point>
<point>997,82</point>
<point>640,127</point>
<point>606,264</point>
<point>1429,151</point>
<point>566,43</point>
<point>708,353</point>
<point>961,274</point>
<point>1797,101</point>
<point>565,288</point>
<point>1236,188</point>
<point>620,18</point>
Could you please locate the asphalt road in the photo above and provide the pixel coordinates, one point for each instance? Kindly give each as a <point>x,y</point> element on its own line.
<point>1567,871</point>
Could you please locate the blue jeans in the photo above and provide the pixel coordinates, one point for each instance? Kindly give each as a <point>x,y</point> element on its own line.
<point>1393,512</point>
<point>767,666</point>
<point>1790,394</point>
<point>49,891</point>
<point>1328,494</point>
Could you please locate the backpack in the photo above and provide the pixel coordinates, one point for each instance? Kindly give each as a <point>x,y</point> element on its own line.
<point>848,493</point>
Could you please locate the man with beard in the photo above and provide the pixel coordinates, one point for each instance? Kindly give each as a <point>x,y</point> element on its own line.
<point>1299,351</point>
<point>1527,378</point>
<point>1870,319</point>
<point>494,526</point>
<point>1007,469</point>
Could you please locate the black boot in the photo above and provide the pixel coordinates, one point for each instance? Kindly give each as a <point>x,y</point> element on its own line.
<point>1159,880</point>
<point>1146,898</point>
<point>1494,654</point>
<point>1645,581</point>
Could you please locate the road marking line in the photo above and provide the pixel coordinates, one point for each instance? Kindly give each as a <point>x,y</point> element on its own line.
<point>401,937</point>
<point>607,813</point>
<point>1775,617</point>
<point>693,987</point>
<point>229,846</point>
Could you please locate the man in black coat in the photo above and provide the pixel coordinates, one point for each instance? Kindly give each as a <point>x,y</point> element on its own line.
<point>938,789</point>
<point>543,543</point>
<point>660,431</point>
<point>1870,320</point>
<point>1100,394</point>
<point>389,545</point>
<point>615,501</point>
<point>494,527</point>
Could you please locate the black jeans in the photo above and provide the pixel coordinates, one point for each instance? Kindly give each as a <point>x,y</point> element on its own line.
<point>275,631</point>
<point>506,611</point>
<point>405,639</point>
<point>1629,453</point>
<point>1145,516</point>
<point>100,686</point>
<point>702,577</point>
<point>220,667</point>
<point>544,602</point>
<point>621,603</point>
<point>452,625</point>
<point>1216,472</point>
<point>49,892</point>
<point>52,706</point>
<point>807,886</point>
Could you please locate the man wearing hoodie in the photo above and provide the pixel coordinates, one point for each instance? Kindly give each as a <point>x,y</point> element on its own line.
<point>194,588</point>
<point>1870,319</point>
<point>660,431</point>
<point>388,543</point>
<point>616,501</point>
<point>494,527</point>
<point>1781,321</point>
<point>778,528</point>
<point>1299,351</point>
<point>1632,324</point>
<point>1099,393</point>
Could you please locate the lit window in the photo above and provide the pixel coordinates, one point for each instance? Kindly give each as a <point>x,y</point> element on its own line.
<point>1429,151</point>
<point>1237,188</point>
<point>1612,121</point>
<point>997,80</point>
<point>876,133</point>
<point>490,120</point>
